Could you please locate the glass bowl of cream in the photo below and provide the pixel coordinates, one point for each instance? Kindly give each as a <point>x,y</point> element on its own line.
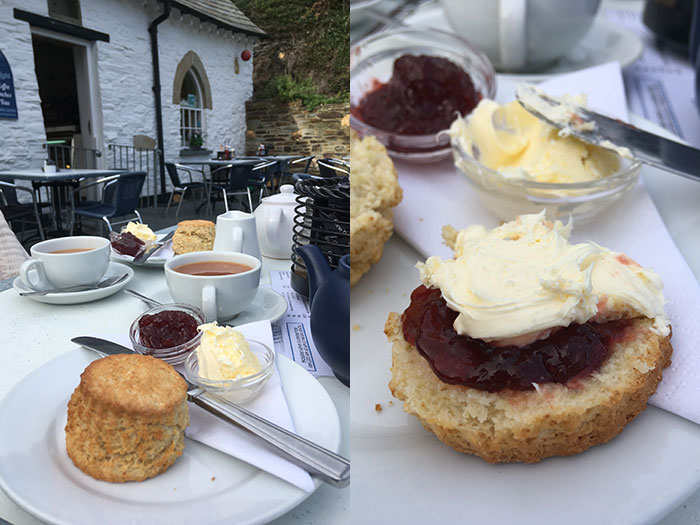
<point>406,81</point>
<point>230,366</point>
<point>518,164</point>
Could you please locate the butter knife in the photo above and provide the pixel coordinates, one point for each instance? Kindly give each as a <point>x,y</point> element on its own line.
<point>315,459</point>
<point>144,255</point>
<point>616,135</point>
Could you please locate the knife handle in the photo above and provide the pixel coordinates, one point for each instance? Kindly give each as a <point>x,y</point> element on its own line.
<point>313,458</point>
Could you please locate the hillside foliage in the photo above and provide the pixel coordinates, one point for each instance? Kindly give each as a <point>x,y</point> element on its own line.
<point>307,56</point>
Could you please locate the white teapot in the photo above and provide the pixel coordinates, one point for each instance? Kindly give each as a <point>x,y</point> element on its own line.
<point>274,219</point>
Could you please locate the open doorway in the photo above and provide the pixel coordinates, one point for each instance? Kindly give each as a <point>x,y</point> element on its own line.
<point>68,99</point>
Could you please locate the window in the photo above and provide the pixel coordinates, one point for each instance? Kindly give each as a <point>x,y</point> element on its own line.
<point>66,10</point>
<point>191,117</point>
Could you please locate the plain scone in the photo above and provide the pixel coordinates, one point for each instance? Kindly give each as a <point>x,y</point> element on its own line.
<point>194,236</point>
<point>127,418</point>
<point>374,191</point>
<point>528,426</point>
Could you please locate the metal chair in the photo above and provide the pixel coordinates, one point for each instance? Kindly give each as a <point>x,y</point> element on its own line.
<point>15,211</point>
<point>120,197</point>
<point>262,176</point>
<point>179,186</point>
<point>236,182</point>
<point>330,167</point>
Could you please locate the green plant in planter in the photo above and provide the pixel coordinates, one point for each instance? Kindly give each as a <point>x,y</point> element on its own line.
<point>196,141</point>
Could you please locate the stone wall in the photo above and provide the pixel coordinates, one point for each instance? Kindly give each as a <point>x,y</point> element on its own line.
<point>289,128</point>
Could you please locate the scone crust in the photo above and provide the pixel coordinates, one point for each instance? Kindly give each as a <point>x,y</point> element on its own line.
<point>374,191</point>
<point>196,235</point>
<point>528,426</point>
<point>126,418</point>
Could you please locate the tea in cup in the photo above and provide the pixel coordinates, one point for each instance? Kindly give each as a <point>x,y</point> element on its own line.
<point>64,262</point>
<point>220,283</point>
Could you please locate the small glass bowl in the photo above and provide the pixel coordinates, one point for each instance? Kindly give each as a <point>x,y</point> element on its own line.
<point>582,201</point>
<point>176,354</point>
<point>372,60</point>
<point>237,390</point>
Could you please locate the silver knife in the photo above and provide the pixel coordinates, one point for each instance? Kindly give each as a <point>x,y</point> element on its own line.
<point>608,133</point>
<point>315,459</point>
<point>141,257</point>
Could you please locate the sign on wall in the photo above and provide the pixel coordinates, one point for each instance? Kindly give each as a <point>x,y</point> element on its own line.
<point>8,103</point>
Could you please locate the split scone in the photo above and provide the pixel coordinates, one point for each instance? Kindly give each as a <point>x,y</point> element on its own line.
<point>194,236</point>
<point>127,418</point>
<point>374,191</point>
<point>525,346</point>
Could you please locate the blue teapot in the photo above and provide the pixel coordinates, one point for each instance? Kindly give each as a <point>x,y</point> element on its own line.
<point>329,297</point>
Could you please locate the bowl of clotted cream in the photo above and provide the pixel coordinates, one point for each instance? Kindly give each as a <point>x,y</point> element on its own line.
<point>229,365</point>
<point>519,164</point>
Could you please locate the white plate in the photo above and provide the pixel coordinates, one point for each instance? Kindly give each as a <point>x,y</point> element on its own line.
<point>604,42</point>
<point>87,296</point>
<point>267,304</point>
<point>637,477</point>
<point>203,486</point>
<point>158,259</point>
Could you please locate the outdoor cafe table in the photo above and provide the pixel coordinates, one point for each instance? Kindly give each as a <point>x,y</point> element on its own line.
<point>61,178</point>
<point>34,333</point>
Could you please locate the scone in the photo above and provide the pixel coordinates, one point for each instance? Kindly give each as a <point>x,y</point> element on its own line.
<point>374,191</point>
<point>194,236</point>
<point>525,346</point>
<point>127,418</point>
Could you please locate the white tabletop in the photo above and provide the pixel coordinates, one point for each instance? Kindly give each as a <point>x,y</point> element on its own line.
<point>38,174</point>
<point>34,333</point>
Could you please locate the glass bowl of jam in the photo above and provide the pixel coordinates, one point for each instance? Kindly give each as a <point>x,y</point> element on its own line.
<point>240,389</point>
<point>582,201</point>
<point>407,85</point>
<point>168,332</point>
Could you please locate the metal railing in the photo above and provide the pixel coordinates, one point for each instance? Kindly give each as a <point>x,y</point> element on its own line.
<point>137,159</point>
<point>66,156</point>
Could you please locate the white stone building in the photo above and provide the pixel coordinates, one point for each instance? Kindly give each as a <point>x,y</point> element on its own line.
<point>90,63</point>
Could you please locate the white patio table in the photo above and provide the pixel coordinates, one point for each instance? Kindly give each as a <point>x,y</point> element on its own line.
<point>33,333</point>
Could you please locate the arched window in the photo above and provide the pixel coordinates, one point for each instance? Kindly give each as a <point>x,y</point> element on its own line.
<point>191,115</point>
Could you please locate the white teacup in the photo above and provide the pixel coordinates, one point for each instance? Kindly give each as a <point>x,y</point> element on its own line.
<point>220,297</point>
<point>522,35</point>
<point>235,232</point>
<point>56,263</point>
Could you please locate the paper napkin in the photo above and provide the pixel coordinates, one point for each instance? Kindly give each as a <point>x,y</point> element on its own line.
<point>270,404</point>
<point>436,195</point>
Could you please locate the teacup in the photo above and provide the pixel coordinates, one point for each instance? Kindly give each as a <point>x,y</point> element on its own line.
<point>235,232</point>
<point>64,262</point>
<point>220,296</point>
<point>522,35</point>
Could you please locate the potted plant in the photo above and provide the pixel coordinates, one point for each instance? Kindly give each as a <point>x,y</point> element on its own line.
<point>196,141</point>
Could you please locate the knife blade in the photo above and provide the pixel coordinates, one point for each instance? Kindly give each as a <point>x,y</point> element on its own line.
<point>144,255</point>
<point>315,459</point>
<point>609,133</point>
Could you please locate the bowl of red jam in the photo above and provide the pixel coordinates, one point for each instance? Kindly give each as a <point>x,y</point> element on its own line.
<point>168,332</point>
<point>407,85</point>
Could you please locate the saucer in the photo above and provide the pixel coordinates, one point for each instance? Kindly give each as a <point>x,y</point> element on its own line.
<point>267,304</point>
<point>87,296</point>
